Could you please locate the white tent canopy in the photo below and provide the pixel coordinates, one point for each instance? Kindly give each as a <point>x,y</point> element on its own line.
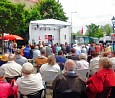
<point>50,22</point>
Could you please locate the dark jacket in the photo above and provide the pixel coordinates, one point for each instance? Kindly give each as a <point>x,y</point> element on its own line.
<point>68,81</point>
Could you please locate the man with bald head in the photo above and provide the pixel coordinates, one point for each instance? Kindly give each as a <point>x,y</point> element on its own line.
<point>68,81</point>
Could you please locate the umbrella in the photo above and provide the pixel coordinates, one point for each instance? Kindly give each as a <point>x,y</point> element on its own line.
<point>12,37</point>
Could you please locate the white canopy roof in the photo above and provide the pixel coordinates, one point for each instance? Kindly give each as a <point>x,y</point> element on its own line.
<point>50,22</point>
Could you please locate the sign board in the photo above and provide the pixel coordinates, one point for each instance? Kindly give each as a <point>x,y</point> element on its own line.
<point>113,37</point>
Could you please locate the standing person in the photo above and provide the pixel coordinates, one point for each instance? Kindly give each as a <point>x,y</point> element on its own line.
<point>102,80</point>
<point>7,90</point>
<point>27,51</point>
<point>68,81</point>
<point>11,47</point>
<point>22,50</point>
<point>14,46</point>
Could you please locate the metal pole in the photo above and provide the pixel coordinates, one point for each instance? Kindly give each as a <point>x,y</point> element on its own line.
<point>113,33</point>
<point>71,27</point>
<point>113,28</point>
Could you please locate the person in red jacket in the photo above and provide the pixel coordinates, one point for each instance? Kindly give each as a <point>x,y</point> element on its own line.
<point>101,80</point>
<point>7,90</point>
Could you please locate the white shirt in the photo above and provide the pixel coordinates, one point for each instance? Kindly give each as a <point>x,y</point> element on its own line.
<point>12,69</point>
<point>36,53</point>
<point>82,64</point>
<point>54,68</point>
<point>113,61</point>
<point>30,83</point>
<point>94,63</point>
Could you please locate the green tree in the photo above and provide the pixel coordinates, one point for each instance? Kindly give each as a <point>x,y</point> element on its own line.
<point>78,33</point>
<point>93,30</point>
<point>107,28</point>
<point>51,9</point>
<point>12,16</point>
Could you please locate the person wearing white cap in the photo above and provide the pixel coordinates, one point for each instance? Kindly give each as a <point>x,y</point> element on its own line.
<point>29,83</point>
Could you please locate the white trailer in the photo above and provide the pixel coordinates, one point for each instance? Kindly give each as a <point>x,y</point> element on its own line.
<point>49,30</point>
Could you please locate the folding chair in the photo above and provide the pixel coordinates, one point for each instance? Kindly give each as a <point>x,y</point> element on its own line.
<point>66,94</point>
<point>37,94</point>
<point>83,73</point>
<point>48,77</point>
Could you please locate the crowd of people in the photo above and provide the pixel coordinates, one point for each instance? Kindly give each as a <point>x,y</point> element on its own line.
<point>22,71</point>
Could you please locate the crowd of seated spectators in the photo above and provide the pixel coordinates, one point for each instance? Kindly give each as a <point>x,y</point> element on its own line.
<point>61,70</point>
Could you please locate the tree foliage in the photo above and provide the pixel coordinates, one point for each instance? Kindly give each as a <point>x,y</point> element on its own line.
<point>51,9</point>
<point>93,30</point>
<point>12,16</point>
<point>107,29</point>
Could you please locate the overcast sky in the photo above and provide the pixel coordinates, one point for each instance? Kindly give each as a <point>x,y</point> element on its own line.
<point>99,12</point>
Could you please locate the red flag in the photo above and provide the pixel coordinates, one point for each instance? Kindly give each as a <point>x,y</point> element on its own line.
<point>82,30</point>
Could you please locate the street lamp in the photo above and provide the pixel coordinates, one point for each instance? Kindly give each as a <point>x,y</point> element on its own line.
<point>113,22</point>
<point>71,25</point>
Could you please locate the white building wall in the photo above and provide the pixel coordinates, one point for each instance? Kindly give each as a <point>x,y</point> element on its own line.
<point>37,34</point>
<point>65,32</point>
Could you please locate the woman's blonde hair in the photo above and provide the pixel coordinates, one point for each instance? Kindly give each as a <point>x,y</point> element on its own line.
<point>4,58</point>
<point>105,62</point>
<point>51,60</point>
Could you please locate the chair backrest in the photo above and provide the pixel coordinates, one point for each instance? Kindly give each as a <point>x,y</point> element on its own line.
<point>107,93</point>
<point>112,93</point>
<point>49,76</point>
<point>37,94</point>
<point>83,73</point>
<point>66,94</point>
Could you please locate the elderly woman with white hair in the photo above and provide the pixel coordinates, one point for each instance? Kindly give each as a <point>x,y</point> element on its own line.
<point>29,84</point>
<point>82,63</point>
<point>102,80</point>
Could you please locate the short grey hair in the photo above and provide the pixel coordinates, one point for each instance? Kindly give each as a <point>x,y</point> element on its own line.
<point>83,56</point>
<point>11,57</point>
<point>70,65</point>
<point>27,68</point>
<point>2,72</point>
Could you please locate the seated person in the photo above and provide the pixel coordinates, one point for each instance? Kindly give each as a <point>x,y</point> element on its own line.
<point>73,55</point>
<point>11,68</point>
<point>19,58</point>
<point>7,90</point>
<point>50,66</point>
<point>68,81</point>
<point>82,63</point>
<point>60,59</point>
<point>29,83</point>
<point>101,80</point>
<point>40,60</point>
